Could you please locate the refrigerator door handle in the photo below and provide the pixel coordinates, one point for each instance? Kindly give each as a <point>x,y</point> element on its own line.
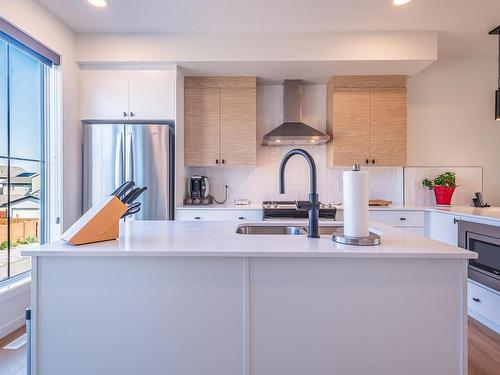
<point>130,157</point>
<point>119,160</point>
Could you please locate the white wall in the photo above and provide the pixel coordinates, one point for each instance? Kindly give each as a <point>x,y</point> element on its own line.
<point>14,300</point>
<point>451,118</point>
<point>180,169</point>
<point>325,46</point>
<point>270,56</point>
<point>261,183</point>
<point>34,19</point>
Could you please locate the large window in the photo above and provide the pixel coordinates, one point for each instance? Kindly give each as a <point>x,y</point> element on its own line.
<point>23,89</point>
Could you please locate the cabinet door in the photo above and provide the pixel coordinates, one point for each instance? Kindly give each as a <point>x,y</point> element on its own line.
<point>443,227</point>
<point>238,127</point>
<point>350,126</point>
<point>201,127</point>
<point>104,95</point>
<point>388,127</point>
<point>152,95</point>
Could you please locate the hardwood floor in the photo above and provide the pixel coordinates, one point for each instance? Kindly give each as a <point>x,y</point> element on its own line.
<point>13,362</point>
<point>484,352</point>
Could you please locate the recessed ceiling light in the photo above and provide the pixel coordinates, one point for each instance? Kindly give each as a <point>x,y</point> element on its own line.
<point>400,2</point>
<point>99,3</point>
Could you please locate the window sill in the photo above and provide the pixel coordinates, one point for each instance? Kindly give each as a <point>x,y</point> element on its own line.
<point>11,288</point>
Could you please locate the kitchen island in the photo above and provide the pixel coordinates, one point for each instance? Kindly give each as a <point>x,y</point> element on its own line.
<point>198,298</point>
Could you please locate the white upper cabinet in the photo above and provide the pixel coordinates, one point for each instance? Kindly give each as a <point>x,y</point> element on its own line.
<point>104,94</point>
<point>152,94</point>
<point>128,94</point>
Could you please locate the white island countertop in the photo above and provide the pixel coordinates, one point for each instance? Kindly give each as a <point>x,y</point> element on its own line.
<point>219,238</point>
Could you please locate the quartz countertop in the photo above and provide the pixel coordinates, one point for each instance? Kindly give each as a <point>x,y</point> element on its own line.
<point>219,238</point>
<point>487,213</point>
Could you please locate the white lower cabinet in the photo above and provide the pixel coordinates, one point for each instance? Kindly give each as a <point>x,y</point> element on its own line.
<point>484,305</point>
<point>402,218</point>
<point>443,227</point>
<point>406,220</point>
<point>218,214</point>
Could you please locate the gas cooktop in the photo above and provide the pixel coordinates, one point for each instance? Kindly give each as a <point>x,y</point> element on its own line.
<point>287,210</point>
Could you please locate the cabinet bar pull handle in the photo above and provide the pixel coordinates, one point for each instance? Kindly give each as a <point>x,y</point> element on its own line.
<point>367,161</point>
<point>125,114</point>
<point>223,161</point>
<point>373,161</point>
<point>197,218</point>
<point>216,161</point>
<point>402,218</point>
<point>241,218</point>
<point>475,299</point>
<point>132,114</point>
<point>455,220</point>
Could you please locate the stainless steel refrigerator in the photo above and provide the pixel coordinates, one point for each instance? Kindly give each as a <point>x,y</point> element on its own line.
<point>142,152</point>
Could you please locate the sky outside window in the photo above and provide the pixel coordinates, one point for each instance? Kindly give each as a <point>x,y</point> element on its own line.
<point>25,75</point>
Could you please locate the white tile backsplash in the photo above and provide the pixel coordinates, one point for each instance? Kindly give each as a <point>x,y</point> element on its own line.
<point>261,183</point>
<point>469,181</point>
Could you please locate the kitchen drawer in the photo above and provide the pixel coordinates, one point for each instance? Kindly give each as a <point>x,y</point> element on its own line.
<point>483,302</point>
<point>218,214</point>
<point>403,218</point>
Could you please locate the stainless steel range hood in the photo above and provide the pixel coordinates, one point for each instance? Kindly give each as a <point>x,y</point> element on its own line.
<point>293,131</point>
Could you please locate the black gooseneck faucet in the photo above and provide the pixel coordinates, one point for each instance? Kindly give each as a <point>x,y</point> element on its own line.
<point>313,204</point>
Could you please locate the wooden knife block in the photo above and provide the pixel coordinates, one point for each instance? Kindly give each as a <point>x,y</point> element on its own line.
<point>99,223</point>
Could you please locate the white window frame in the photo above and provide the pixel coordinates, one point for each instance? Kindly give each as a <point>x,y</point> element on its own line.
<point>53,154</point>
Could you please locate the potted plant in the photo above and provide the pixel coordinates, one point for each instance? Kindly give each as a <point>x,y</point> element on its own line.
<point>443,186</point>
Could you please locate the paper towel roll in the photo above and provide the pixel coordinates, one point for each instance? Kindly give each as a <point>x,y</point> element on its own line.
<point>356,204</point>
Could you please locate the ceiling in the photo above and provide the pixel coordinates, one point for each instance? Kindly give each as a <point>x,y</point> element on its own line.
<point>463,24</point>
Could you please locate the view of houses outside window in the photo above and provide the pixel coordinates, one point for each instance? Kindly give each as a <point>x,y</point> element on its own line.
<point>21,156</point>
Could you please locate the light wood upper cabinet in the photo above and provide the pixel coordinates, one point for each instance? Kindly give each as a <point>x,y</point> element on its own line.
<point>201,127</point>
<point>238,131</point>
<point>113,94</point>
<point>388,126</point>
<point>220,121</point>
<point>366,118</point>
<point>351,108</point>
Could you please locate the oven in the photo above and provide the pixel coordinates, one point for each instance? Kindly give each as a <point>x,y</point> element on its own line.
<point>287,210</point>
<point>483,239</point>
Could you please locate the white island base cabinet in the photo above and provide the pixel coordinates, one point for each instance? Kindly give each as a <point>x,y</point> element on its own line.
<point>220,315</point>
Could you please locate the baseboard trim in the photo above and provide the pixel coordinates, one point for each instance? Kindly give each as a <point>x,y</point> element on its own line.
<point>13,289</point>
<point>12,326</point>
<point>488,323</point>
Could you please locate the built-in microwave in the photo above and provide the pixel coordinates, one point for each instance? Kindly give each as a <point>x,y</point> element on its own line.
<point>483,239</point>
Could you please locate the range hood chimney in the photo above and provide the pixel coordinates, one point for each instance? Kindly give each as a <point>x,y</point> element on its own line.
<point>293,131</point>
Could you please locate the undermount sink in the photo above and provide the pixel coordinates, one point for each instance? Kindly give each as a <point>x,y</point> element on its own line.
<point>270,229</point>
<point>327,230</point>
<point>288,230</point>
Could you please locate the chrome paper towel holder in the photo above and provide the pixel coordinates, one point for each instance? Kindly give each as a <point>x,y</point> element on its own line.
<point>338,235</point>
